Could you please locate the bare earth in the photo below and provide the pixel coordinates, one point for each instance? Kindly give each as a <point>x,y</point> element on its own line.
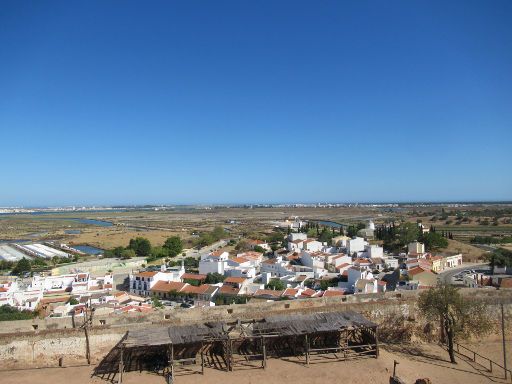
<point>415,362</point>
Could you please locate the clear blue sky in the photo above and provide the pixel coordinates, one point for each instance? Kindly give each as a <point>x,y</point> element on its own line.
<point>115,102</point>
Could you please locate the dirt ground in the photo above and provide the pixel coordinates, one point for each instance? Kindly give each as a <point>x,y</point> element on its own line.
<point>470,253</point>
<point>107,238</point>
<point>426,360</point>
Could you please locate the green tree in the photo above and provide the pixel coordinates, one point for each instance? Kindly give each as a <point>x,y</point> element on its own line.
<point>407,233</point>
<point>141,246</point>
<point>275,284</point>
<point>460,318</point>
<point>218,233</point>
<point>174,245</point>
<point>433,241</point>
<point>257,248</point>
<point>73,301</point>
<point>8,313</point>
<point>325,236</point>
<point>156,302</point>
<point>214,278</point>
<point>128,254</point>
<point>242,246</point>
<point>22,267</point>
<point>501,257</point>
<point>158,253</point>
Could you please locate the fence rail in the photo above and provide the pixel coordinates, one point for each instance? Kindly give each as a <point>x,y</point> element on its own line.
<point>489,364</point>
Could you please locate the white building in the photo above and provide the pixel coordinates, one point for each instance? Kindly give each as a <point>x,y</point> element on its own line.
<point>276,267</point>
<point>355,245</point>
<point>314,259</point>
<point>373,251</point>
<point>416,248</point>
<point>214,262</point>
<point>142,282</point>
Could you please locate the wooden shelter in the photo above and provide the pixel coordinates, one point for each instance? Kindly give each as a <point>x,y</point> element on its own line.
<point>334,335</point>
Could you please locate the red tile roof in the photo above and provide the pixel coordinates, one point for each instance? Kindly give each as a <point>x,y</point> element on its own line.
<point>308,292</point>
<point>193,276</point>
<point>239,260</point>
<point>416,270</point>
<point>229,290</point>
<point>290,292</point>
<point>332,293</point>
<point>256,242</point>
<point>191,289</point>
<point>146,274</point>
<point>171,286</point>
<point>238,280</point>
<point>268,292</point>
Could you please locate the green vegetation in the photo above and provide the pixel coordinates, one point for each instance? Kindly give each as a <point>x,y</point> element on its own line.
<point>242,246</point>
<point>433,240</point>
<point>275,284</point>
<point>6,265</point>
<point>460,318</point>
<point>208,238</point>
<point>156,302</point>
<point>73,301</point>
<point>113,253</point>
<point>276,237</point>
<point>128,254</point>
<point>22,266</point>
<point>396,237</point>
<point>353,229</point>
<point>326,236</point>
<point>491,240</point>
<point>214,278</point>
<point>257,248</point>
<point>173,245</point>
<point>221,299</point>
<point>158,253</point>
<point>324,284</point>
<point>501,258</point>
<point>8,313</point>
<point>141,246</point>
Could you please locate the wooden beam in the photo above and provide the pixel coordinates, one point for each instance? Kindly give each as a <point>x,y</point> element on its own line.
<point>307,349</point>
<point>121,365</point>
<point>264,351</point>
<point>202,359</point>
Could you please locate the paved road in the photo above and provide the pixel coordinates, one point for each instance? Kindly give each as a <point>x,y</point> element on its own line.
<point>446,277</point>
<point>197,253</point>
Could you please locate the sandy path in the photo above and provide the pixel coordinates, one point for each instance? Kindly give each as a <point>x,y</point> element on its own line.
<point>415,362</point>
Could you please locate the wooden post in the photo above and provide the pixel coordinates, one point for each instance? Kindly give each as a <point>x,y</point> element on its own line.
<point>503,340</point>
<point>121,365</point>
<point>376,343</point>
<point>87,345</point>
<point>264,351</point>
<point>230,355</point>
<point>202,358</point>
<point>307,350</point>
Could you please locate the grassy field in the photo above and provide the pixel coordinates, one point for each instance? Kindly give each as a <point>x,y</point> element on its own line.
<point>158,225</point>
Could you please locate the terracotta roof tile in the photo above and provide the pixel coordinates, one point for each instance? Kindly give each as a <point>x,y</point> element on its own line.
<point>171,286</point>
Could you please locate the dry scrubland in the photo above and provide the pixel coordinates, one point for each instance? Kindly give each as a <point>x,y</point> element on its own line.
<point>416,361</point>
<point>158,225</point>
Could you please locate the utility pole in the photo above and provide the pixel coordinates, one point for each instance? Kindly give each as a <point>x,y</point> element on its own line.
<point>503,339</point>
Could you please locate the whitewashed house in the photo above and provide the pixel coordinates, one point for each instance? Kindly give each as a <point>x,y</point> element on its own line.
<point>355,245</point>
<point>214,262</point>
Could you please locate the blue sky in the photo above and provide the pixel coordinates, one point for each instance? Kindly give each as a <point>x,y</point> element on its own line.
<point>117,102</point>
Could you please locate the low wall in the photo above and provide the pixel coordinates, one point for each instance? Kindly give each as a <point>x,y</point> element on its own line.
<point>23,346</point>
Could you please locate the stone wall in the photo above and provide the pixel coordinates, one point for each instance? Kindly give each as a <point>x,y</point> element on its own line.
<point>41,342</point>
